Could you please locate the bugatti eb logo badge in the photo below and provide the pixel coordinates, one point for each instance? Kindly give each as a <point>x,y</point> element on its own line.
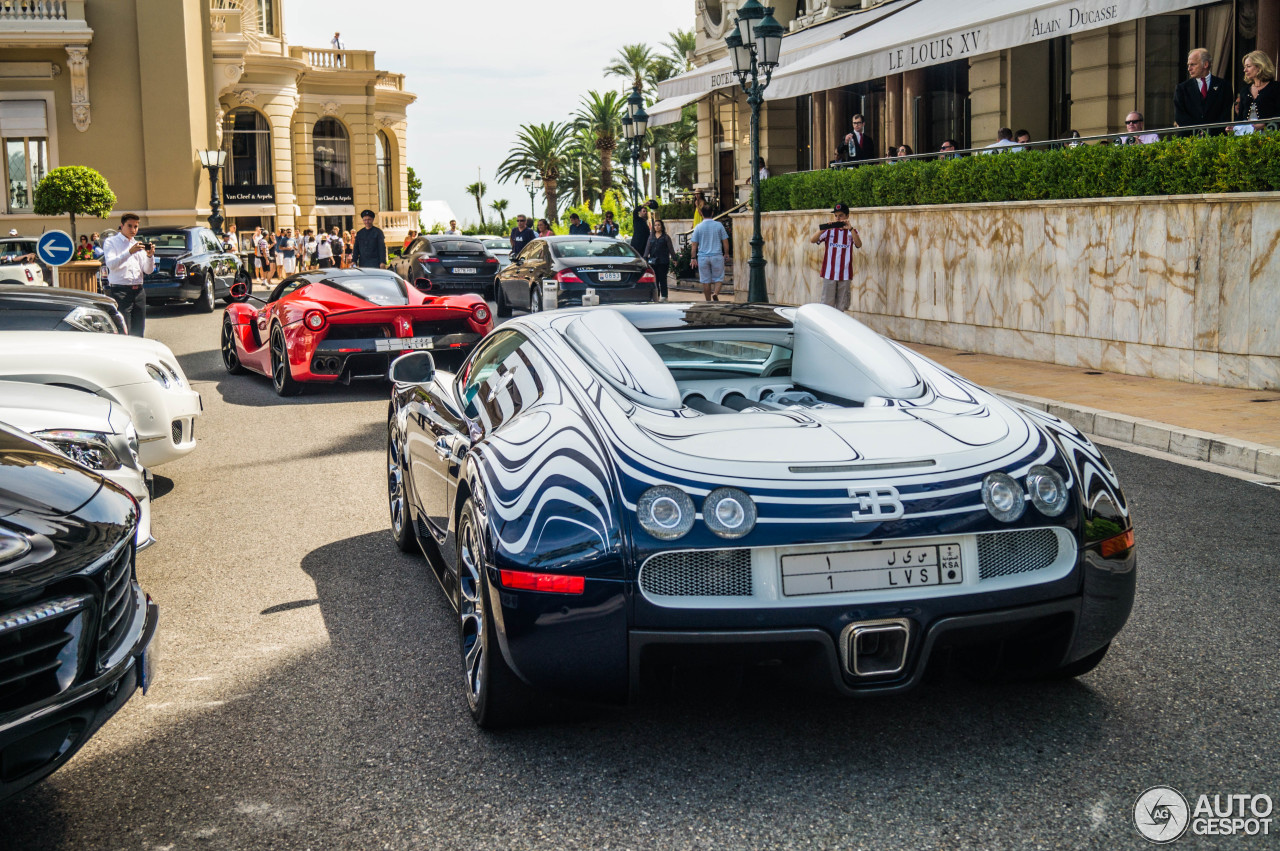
<point>876,504</point>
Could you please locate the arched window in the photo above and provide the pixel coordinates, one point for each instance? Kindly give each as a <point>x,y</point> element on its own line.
<point>384,171</point>
<point>332,154</point>
<point>246,136</point>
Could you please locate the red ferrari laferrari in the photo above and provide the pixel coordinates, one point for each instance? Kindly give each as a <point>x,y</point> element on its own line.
<point>338,324</point>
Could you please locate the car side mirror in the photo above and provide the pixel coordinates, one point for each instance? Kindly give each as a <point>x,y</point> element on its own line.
<point>240,291</point>
<point>412,368</point>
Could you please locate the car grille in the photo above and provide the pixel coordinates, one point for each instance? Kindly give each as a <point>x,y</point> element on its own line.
<point>1009,553</point>
<point>40,648</point>
<point>176,429</point>
<point>116,581</point>
<point>698,573</point>
<point>436,327</point>
<point>358,332</point>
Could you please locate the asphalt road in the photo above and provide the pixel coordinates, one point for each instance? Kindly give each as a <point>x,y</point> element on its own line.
<point>308,692</point>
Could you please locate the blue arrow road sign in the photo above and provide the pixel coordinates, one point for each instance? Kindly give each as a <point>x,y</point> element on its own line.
<point>55,247</point>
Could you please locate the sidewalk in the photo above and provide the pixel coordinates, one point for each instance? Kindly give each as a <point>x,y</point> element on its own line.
<point>1219,425</point>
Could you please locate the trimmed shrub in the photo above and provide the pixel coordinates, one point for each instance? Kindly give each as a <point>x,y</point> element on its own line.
<point>1186,166</point>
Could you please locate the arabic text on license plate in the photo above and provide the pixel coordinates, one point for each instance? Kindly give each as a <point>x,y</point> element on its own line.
<point>463,270</point>
<point>418,343</point>
<point>610,276</point>
<point>877,569</point>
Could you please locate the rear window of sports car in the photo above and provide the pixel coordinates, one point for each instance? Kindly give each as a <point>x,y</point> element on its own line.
<point>687,358</point>
<point>378,290</point>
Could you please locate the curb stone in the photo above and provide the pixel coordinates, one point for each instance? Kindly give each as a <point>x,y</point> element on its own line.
<point>1204,446</point>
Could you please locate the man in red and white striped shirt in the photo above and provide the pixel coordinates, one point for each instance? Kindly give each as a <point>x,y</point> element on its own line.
<point>839,241</point>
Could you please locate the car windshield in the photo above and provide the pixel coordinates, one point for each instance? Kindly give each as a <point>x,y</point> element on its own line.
<point>17,246</point>
<point>379,290</point>
<point>594,248</point>
<point>175,239</point>
<point>500,243</point>
<point>457,246</point>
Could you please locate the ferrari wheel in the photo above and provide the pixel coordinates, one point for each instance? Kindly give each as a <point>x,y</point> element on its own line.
<point>501,306</point>
<point>281,377</point>
<point>401,526</point>
<point>496,696</point>
<point>230,357</point>
<point>535,300</point>
<point>206,302</point>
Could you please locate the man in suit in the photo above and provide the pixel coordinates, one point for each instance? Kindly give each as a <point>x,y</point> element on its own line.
<point>1202,99</point>
<point>856,145</point>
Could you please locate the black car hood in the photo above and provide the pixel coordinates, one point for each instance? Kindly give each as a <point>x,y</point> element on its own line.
<point>37,480</point>
<point>20,297</point>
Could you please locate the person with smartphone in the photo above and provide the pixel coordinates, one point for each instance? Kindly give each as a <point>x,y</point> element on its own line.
<point>128,263</point>
<point>838,240</point>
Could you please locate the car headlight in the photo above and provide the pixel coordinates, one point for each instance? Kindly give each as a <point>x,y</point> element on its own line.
<point>1003,497</point>
<point>729,512</point>
<point>158,375</point>
<point>89,448</point>
<point>173,373</point>
<point>12,545</point>
<point>665,512</point>
<point>1048,491</point>
<point>91,319</point>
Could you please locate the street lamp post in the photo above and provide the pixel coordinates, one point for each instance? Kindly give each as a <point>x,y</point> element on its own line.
<point>213,160</point>
<point>532,184</point>
<point>753,47</point>
<point>634,126</point>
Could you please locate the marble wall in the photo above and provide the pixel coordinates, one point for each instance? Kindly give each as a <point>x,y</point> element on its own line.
<point>1184,288</point>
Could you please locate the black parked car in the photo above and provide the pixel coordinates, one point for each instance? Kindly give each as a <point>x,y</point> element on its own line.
<point>440,263</point>
<point>25,308</point>
<point>191,266</point>
<point>75,628</point>
<point>569,266</point>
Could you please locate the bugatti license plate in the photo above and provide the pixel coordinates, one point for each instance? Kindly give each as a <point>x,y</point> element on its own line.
<point>463,270</point>
<point>610,276</point>
<point>871,569</point>
<point>417,343</point>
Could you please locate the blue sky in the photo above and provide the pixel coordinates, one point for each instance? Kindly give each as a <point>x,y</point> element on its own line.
<point>482,69</point>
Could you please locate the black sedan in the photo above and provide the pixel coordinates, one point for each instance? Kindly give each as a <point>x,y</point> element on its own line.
<point>191,266</point>
<point>560,271</point>
<point>75,628</point>
<point>443,264</point>
<point>24,308</point>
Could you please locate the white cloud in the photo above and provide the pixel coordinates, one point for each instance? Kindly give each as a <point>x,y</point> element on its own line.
<point>481,69</point>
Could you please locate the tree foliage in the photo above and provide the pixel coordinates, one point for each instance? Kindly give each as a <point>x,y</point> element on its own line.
<point>477,190</point>
<point>600,116</point>
<point>74,190</point>
<point>632,62</point>
<point>415,191</point>
<point>540,150</point>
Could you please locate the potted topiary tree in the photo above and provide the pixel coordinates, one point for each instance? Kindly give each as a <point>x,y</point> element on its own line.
<point>74,189</point>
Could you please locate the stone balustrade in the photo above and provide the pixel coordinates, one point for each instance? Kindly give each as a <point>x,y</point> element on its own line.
<point>29,11</point>
<point>1183,287</point>
<point>329,59</point>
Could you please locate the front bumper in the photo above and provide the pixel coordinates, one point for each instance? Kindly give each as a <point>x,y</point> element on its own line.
<point>165,419</point>
<point>135,482</point>
<point>43,737</point>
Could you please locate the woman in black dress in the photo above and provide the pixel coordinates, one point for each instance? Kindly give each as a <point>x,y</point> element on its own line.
<point>659,252</point>
<point>1260,101</point>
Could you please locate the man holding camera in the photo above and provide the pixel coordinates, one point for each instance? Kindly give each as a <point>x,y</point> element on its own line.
<point>838,240</point>
<point>128,263</point>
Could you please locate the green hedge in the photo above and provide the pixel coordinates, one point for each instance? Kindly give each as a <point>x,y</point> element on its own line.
<point>675,211</point>
<point>1175,167</point>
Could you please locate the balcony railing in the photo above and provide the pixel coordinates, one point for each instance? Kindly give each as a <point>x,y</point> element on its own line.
<point>391,82</point>
<point>327,59</point>
<point>43,23</point>
<point>397,220</point>
<point>32,11</point>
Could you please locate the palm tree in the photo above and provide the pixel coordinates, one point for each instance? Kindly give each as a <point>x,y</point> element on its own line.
<point>477,190</point>
<point>632,62</point>
<point>500,207</point>
<point>601,117</point>
<point>540,149</point>
<point>680,45</point>
<point>582,175</point>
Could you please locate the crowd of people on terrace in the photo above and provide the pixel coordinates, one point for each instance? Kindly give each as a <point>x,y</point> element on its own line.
<point>1201,99</point>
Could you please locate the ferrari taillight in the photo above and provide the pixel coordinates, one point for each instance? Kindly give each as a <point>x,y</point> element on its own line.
<point>314,320</point>
<point>480,313</point>
<point>566,276</point>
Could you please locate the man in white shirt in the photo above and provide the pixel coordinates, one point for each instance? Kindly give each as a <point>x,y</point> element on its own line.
<point>128,262</point>
<point>453,227</point>
<point>1135,124</point>
<point>336,41</point>
<point>1004,139</point>
<point>324,251</point>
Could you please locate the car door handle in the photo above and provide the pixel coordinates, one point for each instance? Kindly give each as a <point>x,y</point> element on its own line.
<point>443,449</point>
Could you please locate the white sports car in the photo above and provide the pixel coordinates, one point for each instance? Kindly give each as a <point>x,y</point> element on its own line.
<point>93,431</point>
<point>142,375</point>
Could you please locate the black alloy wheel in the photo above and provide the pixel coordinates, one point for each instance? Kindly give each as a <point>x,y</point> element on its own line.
<point>401,526</point>
<point>535,299</point>
<point>496,696</point>
<point>501,306</point>
<point>205,303</point>
<point>230,357</point>
<point>281,377</point>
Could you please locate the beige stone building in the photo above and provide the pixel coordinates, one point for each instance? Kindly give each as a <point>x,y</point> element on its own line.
<point>137,88</point>
<point>922,71</point>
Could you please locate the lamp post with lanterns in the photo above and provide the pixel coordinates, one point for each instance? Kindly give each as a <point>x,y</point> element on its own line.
<point>634,126</point>
<point>213,160</point>
<point>753,48</point>
<point>532,184</point>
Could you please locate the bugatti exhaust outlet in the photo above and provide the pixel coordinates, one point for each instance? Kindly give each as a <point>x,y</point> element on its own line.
<point>876,648</point>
